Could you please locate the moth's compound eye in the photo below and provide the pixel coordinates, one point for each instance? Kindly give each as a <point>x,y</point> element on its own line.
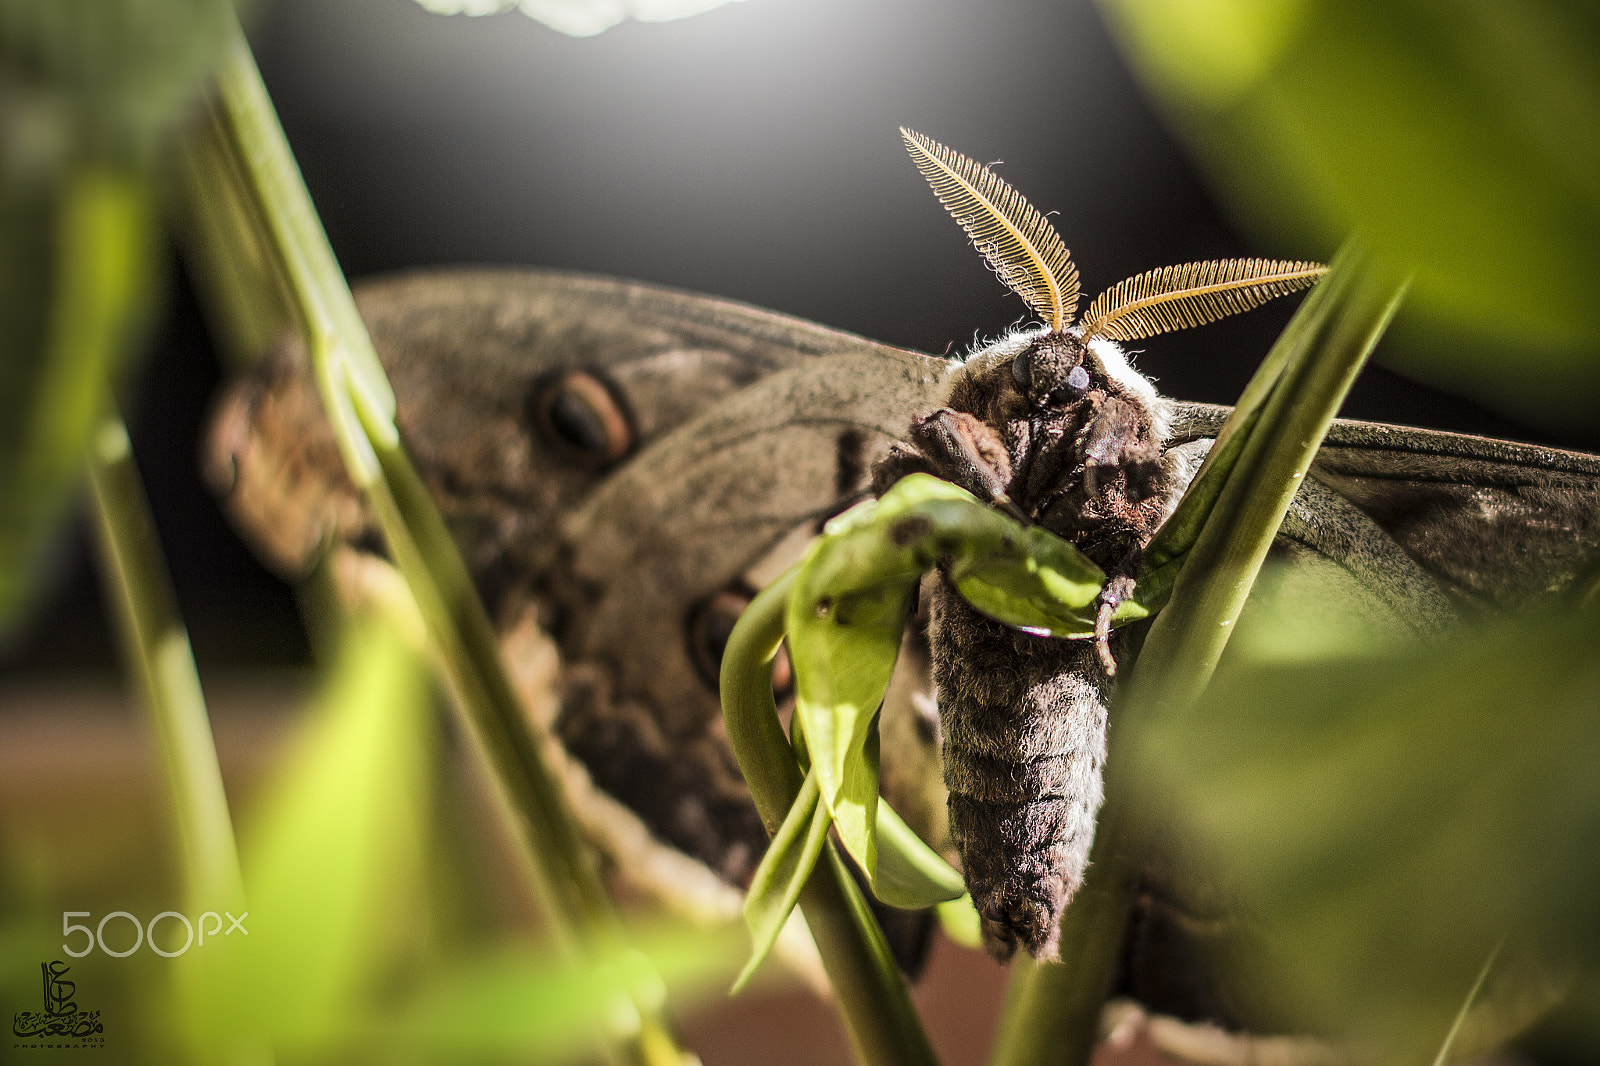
<point>577,414</point>
<point>710,625</point>
<point>1076,385</point>
<point>1022,370</point>
<point>1078,381</point>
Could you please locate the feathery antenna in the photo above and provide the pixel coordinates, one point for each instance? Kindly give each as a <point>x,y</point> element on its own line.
<point>1018,243</point>
<point>1192,294</point>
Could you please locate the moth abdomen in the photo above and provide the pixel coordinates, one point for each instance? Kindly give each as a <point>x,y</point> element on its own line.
<point>988,779</point>
<point>1024,746</point>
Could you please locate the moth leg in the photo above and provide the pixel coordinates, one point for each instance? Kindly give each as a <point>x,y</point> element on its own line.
<point>1118,589</point>
<point>900,461</point>
<point>1117,442</point>
<point>964,450</point>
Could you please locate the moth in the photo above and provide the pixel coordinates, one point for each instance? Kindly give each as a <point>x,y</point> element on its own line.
<point>622,465</point>
<point>1053,425</point>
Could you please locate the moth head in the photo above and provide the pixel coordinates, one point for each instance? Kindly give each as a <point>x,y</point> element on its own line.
<point>1042,372</point>
<point>1051,372</point>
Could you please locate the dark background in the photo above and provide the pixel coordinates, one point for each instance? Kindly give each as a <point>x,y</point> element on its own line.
<point>749,152</point>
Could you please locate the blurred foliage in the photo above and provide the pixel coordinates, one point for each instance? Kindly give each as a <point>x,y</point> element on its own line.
<point>87,89</point>
<point>1462,138</point>
<point>347,952</point>
<point>1398,814</point>
<point>346,958</point>
<point>99,78</point>
<point>332,858</point>
<point>1393,811</point>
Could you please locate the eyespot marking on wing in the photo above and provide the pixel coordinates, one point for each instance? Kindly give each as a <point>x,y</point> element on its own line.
<point>580,416</point>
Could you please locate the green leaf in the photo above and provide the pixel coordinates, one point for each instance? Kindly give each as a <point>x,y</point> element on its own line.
<point>333,856</point>
<point>1464,137</point>
<point>544,1008</point>
<point>1392,812</point>
<point>789,861</point>
<point>64,340</point>
<point>910,875</point>
<point>843,640</point>
<point>1033,580</point>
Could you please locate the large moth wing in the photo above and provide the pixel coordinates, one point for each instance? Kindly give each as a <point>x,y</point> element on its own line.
<point>682,521</point>
<point>1425,517</point>
<point>468,351</point>
<point>737,426</point>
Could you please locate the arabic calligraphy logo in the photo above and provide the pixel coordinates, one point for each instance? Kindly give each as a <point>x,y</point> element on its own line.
<point>61,1017</point>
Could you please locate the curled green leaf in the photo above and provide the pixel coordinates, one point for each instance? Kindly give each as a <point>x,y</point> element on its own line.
<point>783,873</point>
<point>854,592</point>
<point>910,875</point>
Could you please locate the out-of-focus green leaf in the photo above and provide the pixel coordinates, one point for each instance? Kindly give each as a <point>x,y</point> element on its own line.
<point>790,858</point>
<point>1463,137</point>
<point>543,1008</point>
<point>1393,812</point>
<point>332,866</point>
<point>101,77</point>
<point>89,86</point>
<point>56,367</point>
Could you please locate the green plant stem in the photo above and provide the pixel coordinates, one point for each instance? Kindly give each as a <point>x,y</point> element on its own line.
<point>156,647</point>
<point>1053,1011</point>
<point>360,406</point>
<point>1447,1047</point>
<point>868,988</point>
<point>246,294</point>
<point>1328,343</point>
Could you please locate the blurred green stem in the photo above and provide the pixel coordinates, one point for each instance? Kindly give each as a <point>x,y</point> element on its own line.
<point>867,986</point>
<point>246,293</point>
<point>1053,1011</point>
<point>360,407</point>
<point>156,646</point>
<point>1313,365</point>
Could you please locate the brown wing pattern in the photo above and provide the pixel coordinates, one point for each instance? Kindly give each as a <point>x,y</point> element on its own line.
<point>1495,522</point>
<point>741,425</point>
